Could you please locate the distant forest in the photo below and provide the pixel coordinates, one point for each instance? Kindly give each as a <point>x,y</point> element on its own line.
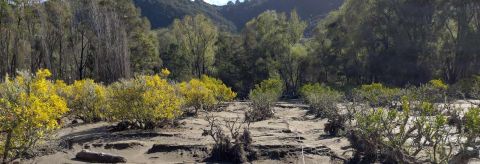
<point>339,43</point>
<point>235,14</point>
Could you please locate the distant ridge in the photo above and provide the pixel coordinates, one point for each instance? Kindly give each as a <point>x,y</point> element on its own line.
<point>232,17</point>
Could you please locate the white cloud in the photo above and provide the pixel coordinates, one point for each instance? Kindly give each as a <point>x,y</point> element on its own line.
<point>219,2</point>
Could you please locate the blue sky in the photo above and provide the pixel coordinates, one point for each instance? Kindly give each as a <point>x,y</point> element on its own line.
<point>219,2</point>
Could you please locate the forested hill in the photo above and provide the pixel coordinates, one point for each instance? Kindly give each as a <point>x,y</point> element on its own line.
<point>161,13</point>
<point>309,10</point>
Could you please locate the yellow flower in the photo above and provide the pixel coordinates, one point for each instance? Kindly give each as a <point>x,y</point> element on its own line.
<point>165,73</point>
<point>30,108</point>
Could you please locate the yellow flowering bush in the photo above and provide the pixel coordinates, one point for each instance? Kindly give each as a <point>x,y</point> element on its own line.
<point>205,93</point>
<point>165,73</point>
<point>30,108</point>
<point>87,100</point>
<point>221,92</point>
<point>144,99</point>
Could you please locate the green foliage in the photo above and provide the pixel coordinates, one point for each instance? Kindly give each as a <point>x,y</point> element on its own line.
<point>163,13</point>
<point>263,98</point>
<point>323,100</point>
<point>104,40</point>
<point>467,88</point>
<point>275,39</point>
<point>196,37</point>
<point>30,109</point>
<point>147,58</point>
<point>377,95</point>
<point>352,48</point>
<point>324,103</point>
<point>232,64</point>
<point>144,99</point>
<point>387,134</point>
<point>472,125</point>
<point>205,93</point>
<point>434,91</point>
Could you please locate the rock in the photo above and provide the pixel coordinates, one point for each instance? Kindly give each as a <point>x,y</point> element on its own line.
<point>170,148</point>
<point>97,145</point>
<point>121,146</point>
<point>280,151</point>
<point>16,162</point>
<point>95,157</point>
<point>121,126</point>
<point>287,131</point>
<point>77,121</point>
<point>86,146</point>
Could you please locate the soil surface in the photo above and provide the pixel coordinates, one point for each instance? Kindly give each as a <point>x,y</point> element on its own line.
<point>278,140</point>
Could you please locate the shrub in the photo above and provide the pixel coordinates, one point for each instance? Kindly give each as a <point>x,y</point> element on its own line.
<point>144,100</point>
<point>323,100</point>
<point>205,93</point>
<point>30,109</point>
<point>377,95</point>
<point>221,92</point>
<point>420,129</point>
<point>87,100</point>
<point>234,147</point>
<point>263,98</point>
<point>467,88</point>
<point>434,91</point>
<point>472,125</point>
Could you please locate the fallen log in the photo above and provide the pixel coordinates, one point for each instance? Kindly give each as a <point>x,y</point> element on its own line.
<point>95,157</point>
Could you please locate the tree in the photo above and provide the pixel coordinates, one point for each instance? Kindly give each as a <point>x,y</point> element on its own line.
<point>270,38</point>
<point>232,64</point>
<point>398,42</point>
<point>104,40</point>
<point>196,37</point>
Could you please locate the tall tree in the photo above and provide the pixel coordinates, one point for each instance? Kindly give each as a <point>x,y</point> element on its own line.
<point>196,37</point>
<point>76,39</point>
<point>269,39</point>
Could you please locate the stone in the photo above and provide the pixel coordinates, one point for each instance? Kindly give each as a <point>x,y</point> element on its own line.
<point>97,157</point>
<point>123,145</point>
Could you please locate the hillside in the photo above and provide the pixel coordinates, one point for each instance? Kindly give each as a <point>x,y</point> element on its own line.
<point>161,13</point>
<point>310,10</point>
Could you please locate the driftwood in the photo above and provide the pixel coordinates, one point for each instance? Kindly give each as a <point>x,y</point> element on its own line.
<point>89,156</point>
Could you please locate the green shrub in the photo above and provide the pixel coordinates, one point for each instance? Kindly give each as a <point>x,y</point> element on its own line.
<point>378,95</point>
<point>472,124</point>
<point>434,91</point>
<point>323,100</point>
<point>324,103</point>
<point>263,98</point>
<point>466,88</point>
<point>390,135</point>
